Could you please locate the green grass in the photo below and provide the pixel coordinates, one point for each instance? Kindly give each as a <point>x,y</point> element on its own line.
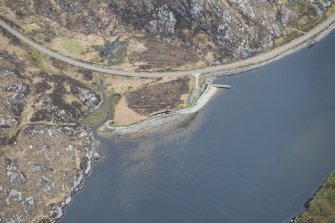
<point>103,113</point>
<point>195,99</point>
<point>36,59</point>
<point>322,207</point>
<point>307,16</point>
<point>72,46</point>
<point>331,10</point>
<point>121,124</point>
<point>112,101</point>
<point>95,117</point>
<point>119,56</point>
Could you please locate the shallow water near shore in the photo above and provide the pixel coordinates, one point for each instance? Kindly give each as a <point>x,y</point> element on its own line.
<point>254,154</point>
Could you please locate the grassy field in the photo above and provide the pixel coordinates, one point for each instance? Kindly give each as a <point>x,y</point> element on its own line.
<point>119,56</point>
<point>73,46</point>
<point>331,10</point>
<point>121,124</point>
<point>321,209</point>
<point>103,113</point>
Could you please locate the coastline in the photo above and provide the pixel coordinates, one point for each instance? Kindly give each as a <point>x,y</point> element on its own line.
<point>310,42</point>
<point>136,127</point>
<point>322,193</point>
<point>203,100</point>
<point>133,129</point>
<point>79,182</point>
<point>311,37</point>
<point>162,118</point>
<point>155,120</point>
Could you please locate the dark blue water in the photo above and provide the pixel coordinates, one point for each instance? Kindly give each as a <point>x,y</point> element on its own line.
<point>253,155</point>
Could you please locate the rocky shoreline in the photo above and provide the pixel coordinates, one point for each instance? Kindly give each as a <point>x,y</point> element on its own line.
<point>44,151</point>
<point>310,42</point>
<point>58,211</point>
<point>322,198</point>
<point>46,172</point>
<point>47,154</point>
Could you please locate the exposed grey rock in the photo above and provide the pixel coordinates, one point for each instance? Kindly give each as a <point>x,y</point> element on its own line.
<point>28,204</point>
<point>87,97</point>
<point>39,161</point>
<point>68,200</point>
<point>56,212</point>
<point>32,131</point>
<point>46,183</point>
<point>13,194</point>
<point>39,169</point>
<point>77,181</point>
<point>54,132</point>
<point>15,175</point>
<point>70,148</point>
<point>97,156</point>
<point>7,121</point>
<point>239,28</point>
<point>67,5</point>
<point>64,116</point>
<point>45,151</point>
<point>19,89</point>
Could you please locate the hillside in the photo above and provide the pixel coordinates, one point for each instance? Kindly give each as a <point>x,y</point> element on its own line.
<point>164,34</point>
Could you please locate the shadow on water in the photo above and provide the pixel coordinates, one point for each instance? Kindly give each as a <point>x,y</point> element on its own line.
<point>254,154</point>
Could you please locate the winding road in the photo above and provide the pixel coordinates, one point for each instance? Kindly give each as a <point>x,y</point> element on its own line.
<point>257,60</point>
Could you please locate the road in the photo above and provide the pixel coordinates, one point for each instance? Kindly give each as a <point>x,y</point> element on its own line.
<point>258,59</point>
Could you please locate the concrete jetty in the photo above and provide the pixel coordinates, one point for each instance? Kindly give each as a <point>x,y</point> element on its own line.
<point>221,86</point>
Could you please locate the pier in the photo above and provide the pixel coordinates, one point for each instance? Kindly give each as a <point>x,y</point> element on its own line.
<point>221,86</point>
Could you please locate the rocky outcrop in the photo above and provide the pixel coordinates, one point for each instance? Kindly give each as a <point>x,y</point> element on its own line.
<point>238,28</point>
<point>211,31</point>
<point>39,187</point>
<point>44,151</point>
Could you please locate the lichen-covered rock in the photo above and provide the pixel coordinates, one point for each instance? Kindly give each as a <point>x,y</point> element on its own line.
<point>7,121</point>
<point>15,175</point>
<point>87,97</point>
<point>207,31</point>
<point>239,28</point>
<point>54,164</point>
<point>41,161</point>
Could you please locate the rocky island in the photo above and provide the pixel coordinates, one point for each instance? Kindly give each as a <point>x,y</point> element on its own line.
<point>49,109</point>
